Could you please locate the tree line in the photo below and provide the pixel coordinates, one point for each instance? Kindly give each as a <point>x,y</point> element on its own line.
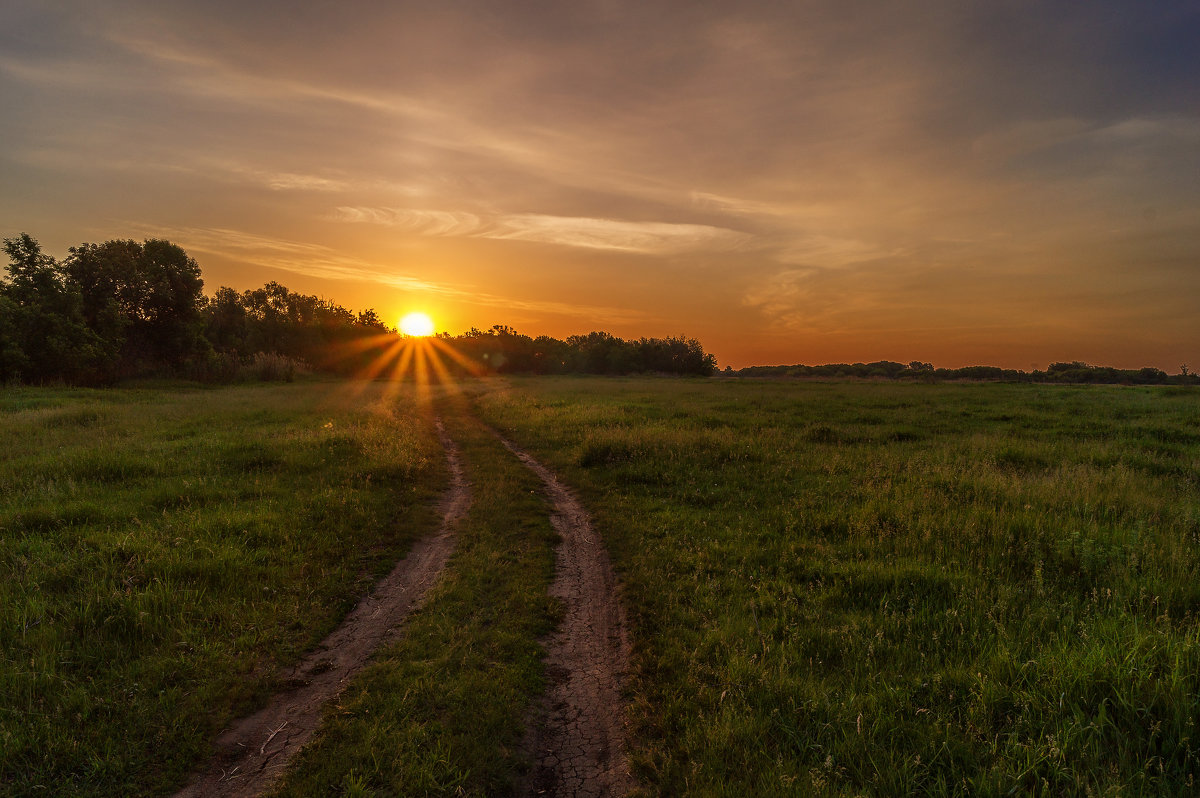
<point>503,350</point>
<point>1064,372</point>
<point>124,309</point>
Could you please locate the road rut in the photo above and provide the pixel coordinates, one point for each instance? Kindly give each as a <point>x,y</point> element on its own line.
<point>254,752</point>
<point>577,741</point>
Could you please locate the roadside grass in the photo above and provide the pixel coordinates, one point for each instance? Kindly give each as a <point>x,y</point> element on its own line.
<point>859,588</point>
<point>164,549</point>
<point>443,710</point>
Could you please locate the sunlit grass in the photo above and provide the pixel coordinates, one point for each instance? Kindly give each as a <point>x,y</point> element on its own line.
<point>894,589</point>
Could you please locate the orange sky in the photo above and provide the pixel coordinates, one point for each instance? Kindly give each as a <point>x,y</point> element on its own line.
<point>954,182</point>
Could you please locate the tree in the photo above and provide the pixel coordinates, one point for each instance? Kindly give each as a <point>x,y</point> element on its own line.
<point>169,320</point>
<point>226,324</point>
<point>45,336</point>
<point>142,300</point>
<point>370,319</point>
<point>14,363</point>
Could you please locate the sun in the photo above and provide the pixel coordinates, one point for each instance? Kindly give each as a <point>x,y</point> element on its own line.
<point>417,325</point>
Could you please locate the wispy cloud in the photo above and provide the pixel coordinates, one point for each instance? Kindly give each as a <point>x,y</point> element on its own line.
<point>418,222</point>
<point>313,260</point>
<point>613,234</point>
<point>570,231</point>
<point>206,73</point>
<point>298,257</point>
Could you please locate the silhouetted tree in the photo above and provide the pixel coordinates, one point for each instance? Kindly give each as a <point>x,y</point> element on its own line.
<point>45,334</point>
<point>143,301</point>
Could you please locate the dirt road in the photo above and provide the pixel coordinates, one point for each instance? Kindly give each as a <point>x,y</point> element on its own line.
<point>577,740</point>
<point>576,736</point>
<point>255,750</point>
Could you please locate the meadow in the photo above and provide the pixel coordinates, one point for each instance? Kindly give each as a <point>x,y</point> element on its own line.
<point>849,588</point>
<point>833,588</point>
<point>163,551</point>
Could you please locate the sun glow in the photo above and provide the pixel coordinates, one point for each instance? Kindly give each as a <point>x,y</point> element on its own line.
<point>417,325</point>
<point>415,357</point>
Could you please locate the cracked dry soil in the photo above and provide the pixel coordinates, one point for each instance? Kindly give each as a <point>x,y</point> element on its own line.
<point>255,750</point>
<point>577,739</point>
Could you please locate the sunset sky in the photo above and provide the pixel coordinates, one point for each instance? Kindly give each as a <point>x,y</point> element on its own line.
<point>1005,182</point>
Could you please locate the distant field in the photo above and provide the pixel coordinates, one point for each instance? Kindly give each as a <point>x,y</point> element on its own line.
<point>889,589</point>
<point>161,550</point>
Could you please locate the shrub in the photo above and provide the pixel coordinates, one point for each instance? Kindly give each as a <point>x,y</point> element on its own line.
<point>273,367</point>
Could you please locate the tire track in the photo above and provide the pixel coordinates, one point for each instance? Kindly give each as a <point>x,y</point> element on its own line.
<point>255,751</point>
<point>577,742</point>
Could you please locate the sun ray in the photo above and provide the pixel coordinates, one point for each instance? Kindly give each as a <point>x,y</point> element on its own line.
<point>475,369</point>
<point>445,378</point>
<point>371,370</point>
<point>377,366</point>
<point>431,366</point>
<point>421,372</point>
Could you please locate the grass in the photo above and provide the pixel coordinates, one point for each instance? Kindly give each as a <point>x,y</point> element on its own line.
<point>163,550</point>
<point>834,588</point>
<point>443,710</point>
<point>860,588</point>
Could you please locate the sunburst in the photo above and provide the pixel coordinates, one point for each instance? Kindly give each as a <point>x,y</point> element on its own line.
<point>415,354</point>
<point>416,325</point>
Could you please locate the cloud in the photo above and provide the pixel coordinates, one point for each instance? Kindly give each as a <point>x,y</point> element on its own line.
<point>417,222</point>
<point>298,257</point>
<point>1025,136</point>
<point>287,181</point>
<point>570,231</point>
<point>610,234</point>
<point>831,251</point>
<point>314,260</point>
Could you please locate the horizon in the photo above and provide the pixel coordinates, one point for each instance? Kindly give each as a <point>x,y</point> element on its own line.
<point>951,183</point>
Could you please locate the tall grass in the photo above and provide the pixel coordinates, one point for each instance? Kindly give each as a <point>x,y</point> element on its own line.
<point>163,551</point>
<point>858,588</point>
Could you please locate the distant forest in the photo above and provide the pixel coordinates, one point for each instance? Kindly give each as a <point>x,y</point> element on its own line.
<point>1073,372</point>
<point>124,309</point>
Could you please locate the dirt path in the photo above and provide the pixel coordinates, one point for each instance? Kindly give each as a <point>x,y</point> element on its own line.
<point>578,740</point>
<point>254,752</point>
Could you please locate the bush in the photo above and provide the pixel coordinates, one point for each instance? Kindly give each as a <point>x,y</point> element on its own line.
<point>221,368</point>
<point>273,367</point>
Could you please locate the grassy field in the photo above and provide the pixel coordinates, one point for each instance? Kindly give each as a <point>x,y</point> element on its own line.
<point>887,589</point>
<point>834,588</point>
<point>163,550</point>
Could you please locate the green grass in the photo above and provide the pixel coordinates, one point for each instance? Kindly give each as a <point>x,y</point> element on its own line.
<point>164,549</point>
<point>834,588</point>
<point>442,711</point>
<point>859,588</point>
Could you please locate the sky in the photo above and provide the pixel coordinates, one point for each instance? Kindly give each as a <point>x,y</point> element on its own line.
<point>953,181</point>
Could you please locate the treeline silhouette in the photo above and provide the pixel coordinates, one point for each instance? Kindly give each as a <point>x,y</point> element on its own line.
<point>503,350</point>
<point>124,309</point>
<point>1073,372</point>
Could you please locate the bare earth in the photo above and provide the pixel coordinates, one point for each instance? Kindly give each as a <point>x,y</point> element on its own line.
<point>254,751</point>
<point>578,740</point>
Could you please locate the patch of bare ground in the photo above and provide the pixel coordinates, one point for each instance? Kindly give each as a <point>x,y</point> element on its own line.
<point>577,739</point>
<point>254,751</point>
